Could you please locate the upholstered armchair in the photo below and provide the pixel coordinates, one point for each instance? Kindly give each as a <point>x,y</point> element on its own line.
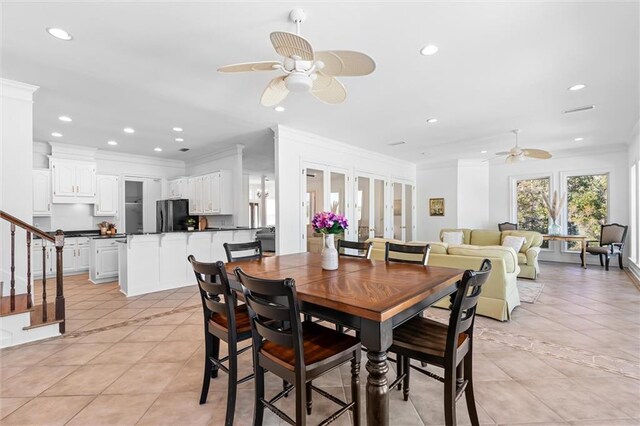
<point>507,226</point>
<point>611,243</point>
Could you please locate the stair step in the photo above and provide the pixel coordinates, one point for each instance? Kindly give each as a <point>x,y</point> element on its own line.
<point>36,316</point>
<point>21,305</point>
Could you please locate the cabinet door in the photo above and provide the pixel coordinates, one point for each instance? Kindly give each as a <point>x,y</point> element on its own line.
<point>41,193</point>
<point>198,195</point>
<point>191,191</point>
<point>36,259</point>
<point>172,189</point>
<point>85,180</point>
<point>106,262</point>
<point>106,196</point>
<point>82,257</point>
<point>64,179</point>
<point>207,203</point>
<point>180,190</point>
<point>68,257</point>
<point>215,193</point>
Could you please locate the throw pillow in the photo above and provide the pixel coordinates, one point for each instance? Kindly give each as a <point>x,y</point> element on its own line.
<point>453,238</point>
<point>513,242</point>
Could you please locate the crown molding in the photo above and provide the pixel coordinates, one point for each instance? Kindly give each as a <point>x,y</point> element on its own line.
<point>17,90</point>
<point>228,152</point>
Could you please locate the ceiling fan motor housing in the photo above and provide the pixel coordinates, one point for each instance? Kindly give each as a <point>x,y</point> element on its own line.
<point>298,82</point>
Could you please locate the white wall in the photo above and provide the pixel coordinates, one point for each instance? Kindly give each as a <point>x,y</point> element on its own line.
<point>436,182</point>
<point>633,238</point>
<point>612,159</point>
<point>293,147</point>
<point>473,194</point>
<point>16,115</point>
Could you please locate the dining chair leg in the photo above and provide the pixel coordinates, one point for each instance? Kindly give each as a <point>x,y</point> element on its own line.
<point>284,387</point>
<point>399,369</point>
<point>233,383</point>
<point>606,263</point>
<point>208,366</point>
<point>301,403</point>
<point>468,392</point>
<point>620,260</point>
<point>258,407</point>
<point>309,392</point>
<point>450,394</point>
<point>601,260</point>
<point>355,388</point>
<point>407,374</point>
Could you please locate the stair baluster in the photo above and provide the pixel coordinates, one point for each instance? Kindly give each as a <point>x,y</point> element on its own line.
<point>60,309</point>
<point>29,302</point>
<point>13,268</point>
<point>45,255</point>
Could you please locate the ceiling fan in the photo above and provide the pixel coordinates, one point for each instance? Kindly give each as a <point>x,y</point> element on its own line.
<point>305,70</point>
<point>517,154</point>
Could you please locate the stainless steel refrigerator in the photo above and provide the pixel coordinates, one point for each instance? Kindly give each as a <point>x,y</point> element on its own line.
<point>172,215</point>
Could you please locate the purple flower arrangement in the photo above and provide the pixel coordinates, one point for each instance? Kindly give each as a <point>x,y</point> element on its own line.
<point>329,223</point>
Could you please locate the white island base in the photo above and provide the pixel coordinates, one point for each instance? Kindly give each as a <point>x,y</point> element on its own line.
<point>156,262</point>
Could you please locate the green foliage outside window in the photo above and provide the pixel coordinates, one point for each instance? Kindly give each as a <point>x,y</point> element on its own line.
<point>532,213</point>
<point>586,206</point>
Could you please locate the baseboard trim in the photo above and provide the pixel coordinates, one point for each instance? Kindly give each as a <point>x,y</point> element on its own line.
<point>634,273</point>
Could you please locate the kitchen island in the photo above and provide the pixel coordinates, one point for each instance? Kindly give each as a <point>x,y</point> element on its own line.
<point>150,262</point>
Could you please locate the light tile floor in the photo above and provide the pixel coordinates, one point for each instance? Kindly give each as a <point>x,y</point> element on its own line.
<point>570,358</point>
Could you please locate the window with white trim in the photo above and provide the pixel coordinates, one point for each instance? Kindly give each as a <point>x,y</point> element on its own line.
<point>587,206</point>
<point>531,213</point>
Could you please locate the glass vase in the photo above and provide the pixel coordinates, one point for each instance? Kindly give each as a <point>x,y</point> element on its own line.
<point>554,228</point>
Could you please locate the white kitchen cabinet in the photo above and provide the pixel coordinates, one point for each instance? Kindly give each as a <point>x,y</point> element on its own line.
<point>69,257</point>
<point>211,194</point>
<point>107,190</point>
<point>177,188</point>
<point>73,181</point>
<point>207,202</point>
<point>103,264</point>
<point>82,258</point>
<point>196,201</point>
<point>41,192</point>
<point>75,256</point>
<point>36,258</point>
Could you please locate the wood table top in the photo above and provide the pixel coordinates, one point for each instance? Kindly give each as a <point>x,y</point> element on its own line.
<point>371,289</point>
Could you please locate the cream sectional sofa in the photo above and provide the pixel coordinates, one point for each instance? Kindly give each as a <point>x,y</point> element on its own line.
<point>500,293</point>
<point>527,257</point>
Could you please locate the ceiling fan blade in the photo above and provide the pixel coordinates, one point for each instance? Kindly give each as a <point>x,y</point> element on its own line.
<point>250,66</point>
<point>503,153</point>
<point>289,44</point>
<point>328,89</point>
<point>536,153</point>
<point>511,159</point>
<point>345,62</point>
<point>275,92</point>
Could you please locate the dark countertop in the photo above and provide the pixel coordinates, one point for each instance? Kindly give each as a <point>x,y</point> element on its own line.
<point>197,231</point>
<point>91,233</point>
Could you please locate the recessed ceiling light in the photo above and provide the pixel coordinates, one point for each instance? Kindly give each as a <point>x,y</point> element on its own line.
<point>484,151</point>
<point>157,149</point>
<point>179,140</point>
<point>279,108</point>
<point>56,135</point>
<point>429,50</point>
<point>577,87</point>
<point>177,129</point>
<point>128,130</point>
<point>65,118</point>
<point>60,34</point>
<point>114,143</point>
<point>432,120</point>
<point>578,139</point>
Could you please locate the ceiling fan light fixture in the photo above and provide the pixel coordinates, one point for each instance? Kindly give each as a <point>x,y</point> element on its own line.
<point>298,82</point>
<point>279,108</point>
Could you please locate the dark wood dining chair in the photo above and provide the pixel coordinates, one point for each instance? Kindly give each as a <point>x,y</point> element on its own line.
<point>298,354</point>
<point>223,320</point>
<point>447,346</point>
<point>611,243</point>
<point>507,226</point>
<point>391,251</point>
<point>362,250</point>
<point>253,247</point>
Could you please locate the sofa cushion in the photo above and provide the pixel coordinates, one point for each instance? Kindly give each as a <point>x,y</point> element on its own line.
<point>485,237</point>
<point>455,238</point>
<point>522,259</point>
<point>506,253</point>
<point>513,242</point>
<point>465,232</point>
<point>437,247</point>
<point>532,238</point>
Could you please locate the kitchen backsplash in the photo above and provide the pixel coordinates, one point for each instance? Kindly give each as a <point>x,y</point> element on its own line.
<point>70,217</point>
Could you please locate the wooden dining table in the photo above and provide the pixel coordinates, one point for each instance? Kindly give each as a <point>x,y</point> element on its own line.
<point>370,296</point>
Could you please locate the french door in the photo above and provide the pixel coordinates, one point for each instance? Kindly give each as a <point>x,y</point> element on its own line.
<point>370,206</point>
<point>324,188</point>
<point>403,209</point>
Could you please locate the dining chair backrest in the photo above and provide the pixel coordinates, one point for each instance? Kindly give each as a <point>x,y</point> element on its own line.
<point>507,226</point>
<point>613,233</point>
<point>272,303</point>
<point>406,252</point>
<point>363,250</point>
<point>463,310</point>
<point>253,247</point>
<point>213,282</point>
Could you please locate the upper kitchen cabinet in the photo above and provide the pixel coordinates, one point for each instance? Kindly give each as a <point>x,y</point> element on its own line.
<point>211,194</point>
<point>177,188</point>
<point>107,189</point>
<point>195,195</point>
<point>73,181</point>
<point>41,192</point>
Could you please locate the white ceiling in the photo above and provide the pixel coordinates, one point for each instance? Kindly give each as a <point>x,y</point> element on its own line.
<point>501,66</point>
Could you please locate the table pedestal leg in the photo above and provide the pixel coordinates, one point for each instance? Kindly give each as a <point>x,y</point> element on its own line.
<point>584,254</point>
<point>377,389</point>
